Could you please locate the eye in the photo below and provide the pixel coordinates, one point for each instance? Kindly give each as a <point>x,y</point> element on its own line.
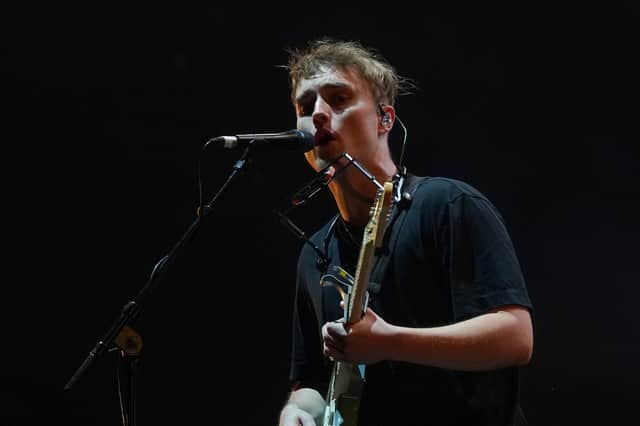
<point>340,98</point>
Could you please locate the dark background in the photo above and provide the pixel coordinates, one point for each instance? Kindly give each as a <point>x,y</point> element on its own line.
<point>107,107</point>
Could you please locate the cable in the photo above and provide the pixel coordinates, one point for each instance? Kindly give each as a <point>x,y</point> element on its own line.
<point>404,137</point>
<point>404,142</point>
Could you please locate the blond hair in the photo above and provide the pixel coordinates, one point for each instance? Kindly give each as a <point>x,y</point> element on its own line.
<point>384,81</point>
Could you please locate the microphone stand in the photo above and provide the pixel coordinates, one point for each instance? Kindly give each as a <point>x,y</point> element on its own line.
<point>122,334</point>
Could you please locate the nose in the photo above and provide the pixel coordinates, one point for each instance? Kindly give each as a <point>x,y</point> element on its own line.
<point>321,113</point>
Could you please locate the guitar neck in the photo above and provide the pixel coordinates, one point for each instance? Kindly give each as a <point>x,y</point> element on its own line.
<point>371,239</point>
<point>361,282</point>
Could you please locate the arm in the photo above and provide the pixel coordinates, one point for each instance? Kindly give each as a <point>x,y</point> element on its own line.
<point>304,405</point>
<point>500,338</point>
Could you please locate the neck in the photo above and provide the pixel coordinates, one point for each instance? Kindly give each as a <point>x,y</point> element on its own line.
<point>354,193</point>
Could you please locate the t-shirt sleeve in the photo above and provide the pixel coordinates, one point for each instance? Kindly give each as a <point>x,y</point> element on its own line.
<point>484,270</point>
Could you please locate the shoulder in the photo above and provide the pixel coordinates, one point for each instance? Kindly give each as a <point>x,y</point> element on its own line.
<point>439,194</point>
<point>442,199</point>
<point>444,190</point>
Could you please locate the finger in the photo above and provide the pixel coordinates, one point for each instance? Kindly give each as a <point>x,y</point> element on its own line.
<point>332,329</point>
<point>332,352</point>
<point>307,420</point>
<point>336,330</point>
<point>325,331</point>
<point>336,344</point>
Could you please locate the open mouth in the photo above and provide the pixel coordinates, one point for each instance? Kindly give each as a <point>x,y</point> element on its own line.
<point>323,136</point>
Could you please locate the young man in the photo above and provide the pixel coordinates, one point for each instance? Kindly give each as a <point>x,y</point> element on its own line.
<point>444,335</point>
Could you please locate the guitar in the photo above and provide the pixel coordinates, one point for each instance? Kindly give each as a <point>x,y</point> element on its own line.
<point>347,380</point>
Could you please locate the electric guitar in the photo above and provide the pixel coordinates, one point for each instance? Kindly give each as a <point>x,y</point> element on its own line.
<point>347,380</point>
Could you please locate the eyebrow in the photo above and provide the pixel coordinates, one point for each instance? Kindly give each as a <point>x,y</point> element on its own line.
<point>309,92</point>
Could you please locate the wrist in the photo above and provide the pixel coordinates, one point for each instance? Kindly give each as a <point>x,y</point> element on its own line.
<point>396,343</point>
<point>392,342</point>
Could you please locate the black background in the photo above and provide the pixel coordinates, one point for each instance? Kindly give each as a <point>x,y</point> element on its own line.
<point>107,107</point>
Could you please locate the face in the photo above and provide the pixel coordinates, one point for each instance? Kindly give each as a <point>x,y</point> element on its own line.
<point>338,107</point>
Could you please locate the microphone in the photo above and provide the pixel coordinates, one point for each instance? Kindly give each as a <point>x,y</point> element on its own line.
<point>291,139</point>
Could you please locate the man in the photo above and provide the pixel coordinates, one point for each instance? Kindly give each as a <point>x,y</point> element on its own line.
<point>443,337</point>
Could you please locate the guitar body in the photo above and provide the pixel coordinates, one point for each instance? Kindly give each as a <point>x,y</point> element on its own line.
<point>348,380</point>
<point>345,391</point>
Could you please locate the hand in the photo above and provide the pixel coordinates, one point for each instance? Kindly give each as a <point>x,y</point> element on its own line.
<point>292,415</point>
<point>365,342</point>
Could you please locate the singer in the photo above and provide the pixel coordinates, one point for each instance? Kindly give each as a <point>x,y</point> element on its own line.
<point>446,333</point>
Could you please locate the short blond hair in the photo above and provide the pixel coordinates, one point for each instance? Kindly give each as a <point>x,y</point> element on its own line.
<point>384,81</point>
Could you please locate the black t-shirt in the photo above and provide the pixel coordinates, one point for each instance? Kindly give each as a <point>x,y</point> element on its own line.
<point>450,259</point>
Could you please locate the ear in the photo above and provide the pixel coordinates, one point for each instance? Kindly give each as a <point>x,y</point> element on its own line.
<point>387,118</point>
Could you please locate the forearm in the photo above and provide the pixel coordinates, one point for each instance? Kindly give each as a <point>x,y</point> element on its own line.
<point>494,340</point>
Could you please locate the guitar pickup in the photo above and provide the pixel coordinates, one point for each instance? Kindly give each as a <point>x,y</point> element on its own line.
<point>344,283</point>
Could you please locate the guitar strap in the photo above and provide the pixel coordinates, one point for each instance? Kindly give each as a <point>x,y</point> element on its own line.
<point>398,215</point>
<point>401,205</point>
